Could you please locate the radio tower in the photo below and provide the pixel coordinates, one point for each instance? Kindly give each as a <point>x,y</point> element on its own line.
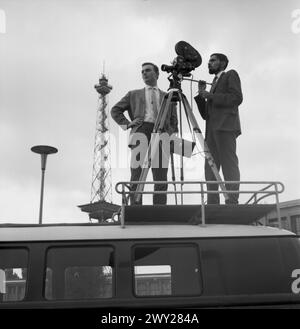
<point>100,206</point>
<point>101,178</point>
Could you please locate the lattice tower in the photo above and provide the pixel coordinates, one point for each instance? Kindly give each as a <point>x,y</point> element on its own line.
<point>101,180</point>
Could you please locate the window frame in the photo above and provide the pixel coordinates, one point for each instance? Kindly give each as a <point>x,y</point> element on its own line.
<point>19,247</point>
<point>80,245</point>
<point>171,244</point>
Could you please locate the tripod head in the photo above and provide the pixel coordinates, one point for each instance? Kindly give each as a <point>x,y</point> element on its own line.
<point>175,83</point>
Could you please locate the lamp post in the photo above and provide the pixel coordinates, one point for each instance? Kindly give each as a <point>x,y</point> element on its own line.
<point>43,150</point>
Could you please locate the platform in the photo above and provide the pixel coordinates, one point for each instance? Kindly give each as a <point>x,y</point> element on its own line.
<point>243,214</point>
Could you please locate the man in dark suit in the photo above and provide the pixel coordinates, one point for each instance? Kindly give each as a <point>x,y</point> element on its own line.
<point>219,107</point>
<point>142,106</point>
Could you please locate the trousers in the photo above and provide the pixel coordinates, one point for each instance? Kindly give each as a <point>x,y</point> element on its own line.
<point>222,146</point>
<point>159,174</point>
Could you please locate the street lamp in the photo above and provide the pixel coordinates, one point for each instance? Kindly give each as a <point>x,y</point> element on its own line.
<point>43,150</point>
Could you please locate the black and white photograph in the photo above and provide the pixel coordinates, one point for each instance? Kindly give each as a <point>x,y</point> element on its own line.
<point>149,157</point>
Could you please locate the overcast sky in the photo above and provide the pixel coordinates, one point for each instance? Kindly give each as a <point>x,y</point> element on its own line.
<point>52,54</point>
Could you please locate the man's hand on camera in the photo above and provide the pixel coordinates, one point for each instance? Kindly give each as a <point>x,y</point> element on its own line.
<point>205,94</point>
<point>135,122</point>
<point>201,85</point>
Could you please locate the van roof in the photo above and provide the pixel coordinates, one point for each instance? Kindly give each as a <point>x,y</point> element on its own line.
<point>90,231</point>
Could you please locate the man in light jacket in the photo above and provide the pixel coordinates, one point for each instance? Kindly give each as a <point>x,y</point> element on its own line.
<point>142,106</point>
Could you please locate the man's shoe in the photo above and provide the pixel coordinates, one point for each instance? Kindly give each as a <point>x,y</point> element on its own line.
<point>231,202</point>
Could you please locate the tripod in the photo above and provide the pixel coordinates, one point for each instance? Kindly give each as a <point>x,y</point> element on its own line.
<point>175,94</point>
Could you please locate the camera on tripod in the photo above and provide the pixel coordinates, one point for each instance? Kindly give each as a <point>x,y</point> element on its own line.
<point>187,60</point>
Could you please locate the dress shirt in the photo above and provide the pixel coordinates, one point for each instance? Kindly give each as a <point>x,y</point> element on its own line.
<point>150,115</point>
<point>215,80</point>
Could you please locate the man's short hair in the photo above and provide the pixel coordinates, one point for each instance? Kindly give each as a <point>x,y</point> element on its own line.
<point>222,58</point>
<point>155,67</point>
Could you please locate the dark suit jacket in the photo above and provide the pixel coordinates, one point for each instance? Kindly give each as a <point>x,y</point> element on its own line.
<point>134,102</point>
<point>221,111</point>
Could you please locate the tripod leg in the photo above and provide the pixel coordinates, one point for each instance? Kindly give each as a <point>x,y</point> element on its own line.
<point>154,143</point>
<point>173,175</point>
<point>181,155</point>
<point>204,146</point>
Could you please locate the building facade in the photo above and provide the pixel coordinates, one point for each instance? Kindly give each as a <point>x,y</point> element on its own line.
<point>290,216</point>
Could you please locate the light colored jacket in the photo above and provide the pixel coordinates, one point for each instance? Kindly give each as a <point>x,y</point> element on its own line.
<point>134,102</point>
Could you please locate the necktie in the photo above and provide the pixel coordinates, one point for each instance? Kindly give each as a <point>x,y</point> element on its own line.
<point>208,103</point>
<point>154,102</point>
<point>214,82</point>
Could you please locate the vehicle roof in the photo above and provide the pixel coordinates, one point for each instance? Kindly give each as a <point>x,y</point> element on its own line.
<point>68,232</point>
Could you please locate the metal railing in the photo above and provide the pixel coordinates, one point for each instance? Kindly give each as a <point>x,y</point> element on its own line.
<point>270,188</point>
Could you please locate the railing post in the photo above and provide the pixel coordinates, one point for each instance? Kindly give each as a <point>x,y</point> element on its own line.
<point>123,207</point>
<point>202,205</point>
<point>277,206</point>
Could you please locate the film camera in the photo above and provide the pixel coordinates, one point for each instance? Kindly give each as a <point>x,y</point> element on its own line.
<point>187,60</point>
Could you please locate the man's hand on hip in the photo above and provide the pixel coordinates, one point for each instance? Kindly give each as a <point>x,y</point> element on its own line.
<point>135,122</point>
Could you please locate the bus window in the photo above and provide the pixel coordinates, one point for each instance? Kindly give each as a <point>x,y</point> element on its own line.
<point>79,273</point>
<point>153,280</point>
<point>13,274</point>
<point>166,270</point>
